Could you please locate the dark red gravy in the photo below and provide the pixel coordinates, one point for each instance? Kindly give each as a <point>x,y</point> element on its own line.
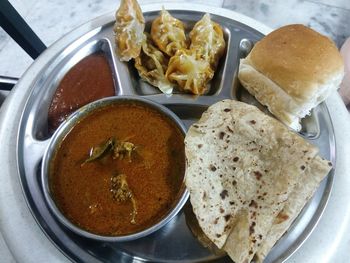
<point>89,80</point>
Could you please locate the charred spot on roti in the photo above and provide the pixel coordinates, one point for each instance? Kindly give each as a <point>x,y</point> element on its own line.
<point>229,129</point>
<point>200,146</point>
<point>221,135</point>
<point>253,216</point>
<point>227,110</point>
<point>252,121</point>
<point>235,159</point>
<point>204,195</point>
<point>253,204</point>
<point>281,217</point>
<point>216,221</point>
<point>222,210</point>
<point>224,194</point>
<point>234,182</point>
<point>196,126</point>
<point>330,164</point>
<point>232,203</point>
<point>257,175</point>
<point>302,167</point>
<point>212,167</point>
<point>251,228</point>
<point>227,217</point>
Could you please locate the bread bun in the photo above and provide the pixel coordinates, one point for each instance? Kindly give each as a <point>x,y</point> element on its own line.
<point>291,71</point>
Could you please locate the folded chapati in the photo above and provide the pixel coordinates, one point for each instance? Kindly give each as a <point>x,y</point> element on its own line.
<point>302,192</point>
<point>243,167</point>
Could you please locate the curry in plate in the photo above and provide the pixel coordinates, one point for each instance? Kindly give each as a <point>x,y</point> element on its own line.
<point>119,170</point>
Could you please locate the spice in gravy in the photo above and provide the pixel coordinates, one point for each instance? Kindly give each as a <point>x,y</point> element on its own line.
<point>89,80</point>
<point>84,191</point>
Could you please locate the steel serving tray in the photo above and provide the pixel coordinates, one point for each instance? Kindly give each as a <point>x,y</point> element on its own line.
<point>174,242</point>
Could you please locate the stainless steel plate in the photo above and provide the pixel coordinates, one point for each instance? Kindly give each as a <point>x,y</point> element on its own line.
<point>174,242</point>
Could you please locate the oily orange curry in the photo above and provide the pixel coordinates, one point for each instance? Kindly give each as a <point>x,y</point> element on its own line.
<point>119,170</point>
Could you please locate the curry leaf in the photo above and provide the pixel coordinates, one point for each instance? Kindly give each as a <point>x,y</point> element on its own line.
<point>100,150</point>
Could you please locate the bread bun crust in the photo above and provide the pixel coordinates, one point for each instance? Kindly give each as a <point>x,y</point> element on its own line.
<point>298,59</point>
<point>292,70</point>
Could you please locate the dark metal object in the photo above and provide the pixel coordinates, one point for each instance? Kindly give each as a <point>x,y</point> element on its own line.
<point>12,22</point>
<point>7,83</point>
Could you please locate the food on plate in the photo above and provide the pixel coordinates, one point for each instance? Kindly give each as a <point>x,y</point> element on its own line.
<point>302,192</point>
<point>119,170</point>
<point>188,72</point>
<point>128,28</point>
<point>81,85</point>
<point>122,192</point>
<point>192,223</point>
<point>120,149</point>
<point>207,40</point>
<point>248,177</point>
<point>291,71</point>
<point>169,37</point>
<point>151,65</point>
<point>168,33</point>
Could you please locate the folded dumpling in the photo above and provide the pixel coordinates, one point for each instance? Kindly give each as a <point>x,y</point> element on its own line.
<point>168,33</point>
<point>152,64</point>
<point>191,74</point>
<point>207,40</point>
<point>129,27</point>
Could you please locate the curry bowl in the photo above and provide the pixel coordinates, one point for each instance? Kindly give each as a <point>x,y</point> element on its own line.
<point>114,170</point>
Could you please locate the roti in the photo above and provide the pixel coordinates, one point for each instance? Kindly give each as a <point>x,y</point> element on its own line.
<point>242,168</point>
<point>303,191</point>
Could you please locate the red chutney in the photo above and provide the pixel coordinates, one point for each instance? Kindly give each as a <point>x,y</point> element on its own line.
<point>154,173</point>
<point>89,80</point>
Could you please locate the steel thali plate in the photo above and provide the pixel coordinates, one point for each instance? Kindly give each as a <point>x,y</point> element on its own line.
<point>174,242</point>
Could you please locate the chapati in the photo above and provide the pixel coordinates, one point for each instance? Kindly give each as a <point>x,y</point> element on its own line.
<point>242,167</point>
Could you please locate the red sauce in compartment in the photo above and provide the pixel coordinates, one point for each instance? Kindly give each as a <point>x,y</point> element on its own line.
<point>89,80</point>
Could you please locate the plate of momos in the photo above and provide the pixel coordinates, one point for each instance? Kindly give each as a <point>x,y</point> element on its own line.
<point>168,57</point>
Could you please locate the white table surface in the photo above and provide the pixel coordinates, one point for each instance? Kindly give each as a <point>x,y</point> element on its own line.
<point>23,241</point>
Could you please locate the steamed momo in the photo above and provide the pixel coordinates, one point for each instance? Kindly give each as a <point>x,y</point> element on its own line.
<point>168,33</point>
<point>191,74</point>
<point>129,27</point>
<point>207,40</point>
<point>151,65</point>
